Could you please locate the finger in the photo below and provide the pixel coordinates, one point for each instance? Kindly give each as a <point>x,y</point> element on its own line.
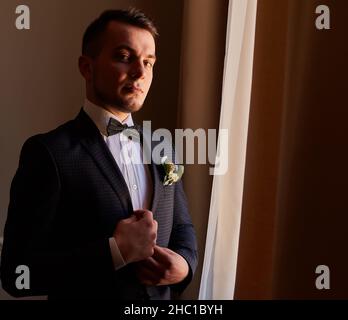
<point>153,267</point>
<point>155,223</point>
<point>139,213</point>
<point>147,276</point>
<point>164,251</point>
<point>147,214</point>
<point>142,211</point>
<point>132,218</point>
<point>160,254</point>
<point>152,264</point>
<point>155,226</point>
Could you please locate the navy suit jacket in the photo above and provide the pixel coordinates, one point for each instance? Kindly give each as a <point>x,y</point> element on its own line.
<point>66,199</point>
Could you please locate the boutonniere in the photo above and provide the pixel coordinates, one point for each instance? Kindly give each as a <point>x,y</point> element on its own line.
<point>173,171</point>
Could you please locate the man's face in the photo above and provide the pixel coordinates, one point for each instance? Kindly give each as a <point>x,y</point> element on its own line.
<point>121,74</point>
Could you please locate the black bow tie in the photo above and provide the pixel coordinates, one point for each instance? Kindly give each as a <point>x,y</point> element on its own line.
<point>115,127</point>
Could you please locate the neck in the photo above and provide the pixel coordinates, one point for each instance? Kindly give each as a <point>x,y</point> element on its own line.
<point>119,114</point>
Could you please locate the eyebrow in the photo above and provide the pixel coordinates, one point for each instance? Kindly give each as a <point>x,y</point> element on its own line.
<point>151,56</point>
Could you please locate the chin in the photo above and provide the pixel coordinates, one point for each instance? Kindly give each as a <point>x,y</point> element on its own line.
<point>133,106</point>
<point>126,105</point>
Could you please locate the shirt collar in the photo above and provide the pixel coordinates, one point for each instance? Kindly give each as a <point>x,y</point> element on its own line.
<point>101,116</point>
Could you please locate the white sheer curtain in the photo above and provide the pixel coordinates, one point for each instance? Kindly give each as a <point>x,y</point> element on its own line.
<point>220,260</point>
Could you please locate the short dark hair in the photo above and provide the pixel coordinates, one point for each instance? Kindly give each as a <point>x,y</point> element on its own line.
<point>91,43</point>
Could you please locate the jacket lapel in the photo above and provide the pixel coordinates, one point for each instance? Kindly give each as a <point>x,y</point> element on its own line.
<point>157,173</point>
<point>92,141</point>
<point>157,186</point>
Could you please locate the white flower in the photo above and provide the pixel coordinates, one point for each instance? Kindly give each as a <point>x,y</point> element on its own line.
<point>173,172</point>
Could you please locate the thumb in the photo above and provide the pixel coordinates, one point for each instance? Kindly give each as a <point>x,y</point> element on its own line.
<point>139,213</point>
<point>160,254</point>
<point>132,218</point>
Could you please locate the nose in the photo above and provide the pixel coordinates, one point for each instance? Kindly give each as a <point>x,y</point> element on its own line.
<point>137,70</point>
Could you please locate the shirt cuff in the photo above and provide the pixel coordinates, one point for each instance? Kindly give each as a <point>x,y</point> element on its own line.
<point>117,258</point>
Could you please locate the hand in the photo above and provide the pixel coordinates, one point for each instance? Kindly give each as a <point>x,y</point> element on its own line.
<point>136,236</point>
<point>163,268</point>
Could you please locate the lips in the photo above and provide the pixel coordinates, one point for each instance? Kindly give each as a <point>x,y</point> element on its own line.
<point>132,88</point>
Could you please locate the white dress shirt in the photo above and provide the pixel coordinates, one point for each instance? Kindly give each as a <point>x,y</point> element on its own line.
<point>128,156</point>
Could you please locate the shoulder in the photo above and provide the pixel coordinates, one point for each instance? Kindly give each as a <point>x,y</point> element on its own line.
<point>60,137</point>
<point>45,140</point>
<point>49,146</point>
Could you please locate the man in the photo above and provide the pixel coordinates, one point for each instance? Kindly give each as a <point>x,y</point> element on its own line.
<point>84,221</point>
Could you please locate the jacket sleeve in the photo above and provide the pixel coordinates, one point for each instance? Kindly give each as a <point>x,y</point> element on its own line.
<point>34,200</point>
<point>183,238</point>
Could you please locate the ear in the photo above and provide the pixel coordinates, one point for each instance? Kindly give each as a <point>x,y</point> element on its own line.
<point>85,66</point>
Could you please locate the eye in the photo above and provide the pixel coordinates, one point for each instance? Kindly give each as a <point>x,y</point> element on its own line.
<point>148,64</point>
<point>122,56</point>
